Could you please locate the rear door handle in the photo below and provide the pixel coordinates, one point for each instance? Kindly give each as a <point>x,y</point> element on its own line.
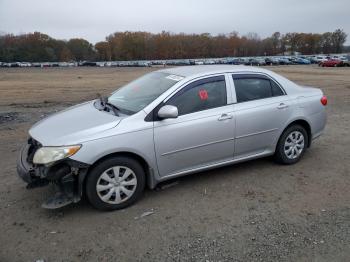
<point>282,106</point>
<point>225,117</point>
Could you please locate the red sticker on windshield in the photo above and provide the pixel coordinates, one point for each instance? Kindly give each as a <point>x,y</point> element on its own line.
<point>203,94</point>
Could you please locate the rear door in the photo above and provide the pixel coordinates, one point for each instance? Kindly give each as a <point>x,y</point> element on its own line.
<point>262,110</point>
<point>202,134</point>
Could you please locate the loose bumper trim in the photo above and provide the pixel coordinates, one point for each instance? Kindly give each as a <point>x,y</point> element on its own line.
<point>24,169</point>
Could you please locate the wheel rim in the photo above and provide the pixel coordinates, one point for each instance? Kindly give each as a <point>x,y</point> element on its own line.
<point>116,185</point>
<point>294,145</point>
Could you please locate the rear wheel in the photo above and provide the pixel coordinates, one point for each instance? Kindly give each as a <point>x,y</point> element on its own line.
<point>115,183</point>
<point>291,145</point>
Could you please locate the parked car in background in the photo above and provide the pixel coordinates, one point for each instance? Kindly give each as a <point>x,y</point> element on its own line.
<point>284,61</point>
<point>158,62</point>
<point>339,57</point>
<point>313,60</point>
<point>331,63</point>
<point>271,61</point>
<point>36,65</point>
<point>87,63</point>
<point>144,64</point>
<point>151,130</point>
<point>66,64</point>
<point>300,61</point>
<point>346,62</point>
<point>222,61</point>
<point>261,61</point>
<point>237,61</point>
<point>24,64</point>
<point>255,62</point>
<point>321,59</point>
<point>198,62</point>
<point>209,62</point>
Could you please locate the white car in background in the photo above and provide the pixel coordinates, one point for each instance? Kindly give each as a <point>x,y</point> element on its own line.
<point>321,59</point>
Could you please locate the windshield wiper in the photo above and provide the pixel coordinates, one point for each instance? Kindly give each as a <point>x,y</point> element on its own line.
<point>114,108</point>
<point>104,103</point>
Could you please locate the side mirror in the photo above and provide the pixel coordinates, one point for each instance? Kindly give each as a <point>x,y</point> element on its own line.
<point>168,111</point>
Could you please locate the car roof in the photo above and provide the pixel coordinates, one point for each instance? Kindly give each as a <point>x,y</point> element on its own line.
<point>191,72</point>
<point>188,71</point>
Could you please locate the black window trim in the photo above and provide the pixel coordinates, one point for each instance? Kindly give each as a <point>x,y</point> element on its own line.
<point>153,117</point>
<point>257,76</point>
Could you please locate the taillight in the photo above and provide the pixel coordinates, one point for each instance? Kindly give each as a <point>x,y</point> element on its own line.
<point>324,100</point>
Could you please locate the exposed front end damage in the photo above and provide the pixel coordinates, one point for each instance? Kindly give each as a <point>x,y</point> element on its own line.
<point>66,175</point>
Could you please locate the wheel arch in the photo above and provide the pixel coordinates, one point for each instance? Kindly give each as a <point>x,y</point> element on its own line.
<point>149,173</point>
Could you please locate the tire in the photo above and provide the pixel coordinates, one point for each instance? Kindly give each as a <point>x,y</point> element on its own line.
<point>289,151</point>
<point>102,176</point>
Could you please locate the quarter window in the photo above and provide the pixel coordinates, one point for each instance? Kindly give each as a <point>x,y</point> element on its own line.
<point>200,95</point>
<point>253,88</point>
<point>276,90</point>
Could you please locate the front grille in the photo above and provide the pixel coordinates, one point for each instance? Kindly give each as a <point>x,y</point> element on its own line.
<point>33,147</point>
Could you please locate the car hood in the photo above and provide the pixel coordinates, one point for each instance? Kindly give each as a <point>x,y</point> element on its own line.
<point>73,125</point>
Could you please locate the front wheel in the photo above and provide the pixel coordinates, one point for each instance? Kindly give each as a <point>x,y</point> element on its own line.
<point>115,183</point>
<point>291,145</point>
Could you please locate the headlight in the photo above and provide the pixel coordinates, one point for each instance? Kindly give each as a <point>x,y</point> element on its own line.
<point>46,155</point>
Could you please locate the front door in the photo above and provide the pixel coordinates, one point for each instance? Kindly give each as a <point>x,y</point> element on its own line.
<point>202,134</point>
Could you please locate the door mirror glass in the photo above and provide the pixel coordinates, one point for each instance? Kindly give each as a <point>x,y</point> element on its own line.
<point>168,111</point>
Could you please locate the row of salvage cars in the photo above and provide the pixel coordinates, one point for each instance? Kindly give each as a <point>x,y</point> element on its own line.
<point>329,61</point>
<point>41,65</point>
<point>321,60</point>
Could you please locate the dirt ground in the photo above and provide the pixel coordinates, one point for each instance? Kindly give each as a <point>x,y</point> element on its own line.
<point>254,211</point>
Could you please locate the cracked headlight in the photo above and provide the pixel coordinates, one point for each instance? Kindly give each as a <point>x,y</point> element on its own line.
<point>49,154</point>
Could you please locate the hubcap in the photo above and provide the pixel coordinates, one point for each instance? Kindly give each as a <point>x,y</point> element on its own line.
<point>116,185</point>
<point>294,145</point>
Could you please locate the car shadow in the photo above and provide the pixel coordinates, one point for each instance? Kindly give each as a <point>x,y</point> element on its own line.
<point>220,175</point>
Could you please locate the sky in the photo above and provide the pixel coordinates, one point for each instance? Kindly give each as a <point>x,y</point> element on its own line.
<point>94,20</point>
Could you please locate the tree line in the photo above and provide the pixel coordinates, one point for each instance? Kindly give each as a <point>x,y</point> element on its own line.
<point>39,47</point>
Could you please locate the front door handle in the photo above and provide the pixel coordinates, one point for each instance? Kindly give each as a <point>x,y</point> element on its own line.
<point>225,117</point>
<point>282,106</point>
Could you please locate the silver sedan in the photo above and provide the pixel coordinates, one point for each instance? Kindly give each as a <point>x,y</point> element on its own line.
<point>167,124</point>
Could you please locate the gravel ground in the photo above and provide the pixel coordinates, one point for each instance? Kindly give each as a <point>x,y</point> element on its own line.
<point>254,211</point>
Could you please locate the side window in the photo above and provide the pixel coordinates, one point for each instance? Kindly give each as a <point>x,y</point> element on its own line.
<point>248,89</point>
<point>200,95</point>
<point>253,88</point>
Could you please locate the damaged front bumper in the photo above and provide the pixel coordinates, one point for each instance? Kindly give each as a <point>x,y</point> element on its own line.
<point>66,175</point>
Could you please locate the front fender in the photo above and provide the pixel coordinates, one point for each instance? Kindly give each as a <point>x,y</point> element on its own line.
<point>138,142</point>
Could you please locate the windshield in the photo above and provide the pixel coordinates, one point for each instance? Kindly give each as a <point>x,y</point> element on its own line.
<point>136,95</point>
